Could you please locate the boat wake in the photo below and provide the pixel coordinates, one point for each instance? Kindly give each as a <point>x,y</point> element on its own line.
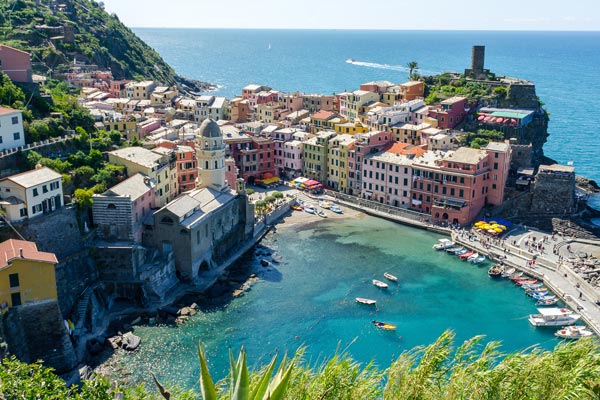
<point>384,66</point>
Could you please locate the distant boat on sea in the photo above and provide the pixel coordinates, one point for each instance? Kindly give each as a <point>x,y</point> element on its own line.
<point>350,60</point>
<point>269,46</point>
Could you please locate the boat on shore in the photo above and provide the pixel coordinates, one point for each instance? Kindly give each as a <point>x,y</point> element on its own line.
<point>369,302</point>
<point>573,332</point>
<point>324,204</point>
<point>553,317</point>
<point>380,284</point>
<point>443,244</point>
<point>385,326</point>
<point>495,270</point>
<point>310,209</point>
<point>297,207</point>
<point>321,214</point>
<point>390,277</point>
<point>335,208</point>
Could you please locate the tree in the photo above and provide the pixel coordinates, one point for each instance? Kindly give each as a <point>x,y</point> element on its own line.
<point>412,66</point>
<point>83,198</point>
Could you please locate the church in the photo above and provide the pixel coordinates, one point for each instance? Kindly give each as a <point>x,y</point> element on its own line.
<point>203,226</point>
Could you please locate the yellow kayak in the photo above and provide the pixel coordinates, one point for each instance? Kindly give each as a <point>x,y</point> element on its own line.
<point>385,326</point>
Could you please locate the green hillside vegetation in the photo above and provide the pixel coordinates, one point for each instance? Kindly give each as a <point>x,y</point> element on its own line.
<point>473,370</point>
<point>100,39</point>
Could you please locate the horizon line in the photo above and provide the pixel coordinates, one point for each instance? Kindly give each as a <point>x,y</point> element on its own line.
<point>369,29</point>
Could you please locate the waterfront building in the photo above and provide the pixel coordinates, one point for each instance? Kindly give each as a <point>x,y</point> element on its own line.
<point>291,101</point>
<point>366,143</point>
<point>16,64</point>
<point>337,161</point>
<point>553,191</point>
<point>455,186</point>
<point>11,129</point>
<point>31,194</point>
<point>387,175</point>
<point>314,154</point>
<point>352,104</point>
<point>450,112</point>
<point>210,154</point>
<point>185,107</point>
<point>499,155</point>
<point>119,212</point>
<point>26,274</point>
<point>203,103</point>
<point>378,87</point>
<point>284,156</point>
<point>161,168</point>
<point>292,160</point>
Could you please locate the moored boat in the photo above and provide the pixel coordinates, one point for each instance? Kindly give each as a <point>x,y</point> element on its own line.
<point>508,272</point>
<point>516,276</point>
<point>385,326</point>
<point>495,271</point>
<point>520,282</point>
<point>380,284</point>
<point>369,302</point>
<point>472,257</point>
<point>553,317</point>
<point>531,286</point>
<point>454,249</point>
<point>479,260</point>
<point>466,255</point>
<point>546,302</point>
<point>390,277</point>
<point>462,250</point>
<point>443,244</point>
<point>573,332</point>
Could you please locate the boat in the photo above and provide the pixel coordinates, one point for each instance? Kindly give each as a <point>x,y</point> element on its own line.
<point>310,209</point>
<point>530,286</point>
<point>495,270</point>
<point>520,282</point>
<point>516,276</point>
<point>540,295</point>
<point>368,302</point>
<point>380,284</point>
<point>297,207</point>
<point>553,317</point>
<point>537,293</point>
<point>466,255</point>
<point>324,204</point>
<point>336,209</point>
<point>454,249</point>
<point>508,272</point>
<point>350,60</point>
<point>390,277</point>
<point>573,332</point>
<point>443,244</point>
<point>546,302</point>
<point>461,251</point>
<point>479,260</point>
<point>472,257</point>
<point>321,214</point>
<point>385,326</point>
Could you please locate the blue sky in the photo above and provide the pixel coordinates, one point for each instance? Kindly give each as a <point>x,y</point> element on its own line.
<point>544,15</point>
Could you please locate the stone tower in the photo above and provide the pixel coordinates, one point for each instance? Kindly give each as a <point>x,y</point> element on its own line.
<point>477,62</point>
<point>210,153</point>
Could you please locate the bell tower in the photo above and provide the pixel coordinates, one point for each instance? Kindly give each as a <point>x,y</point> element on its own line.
<point>210,153</point>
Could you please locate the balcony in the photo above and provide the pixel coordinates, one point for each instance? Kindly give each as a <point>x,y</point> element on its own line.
<point>449,202</point>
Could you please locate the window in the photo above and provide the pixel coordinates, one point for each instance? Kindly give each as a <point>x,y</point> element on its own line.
<point>45,189</point>
<point>14,280</point>
<point>495,165</point>
<point>15,120</point>
<point>16,136</point>
<point>461,193</point>
<point>0,138</point>
<point>15,299</point>
<point>35,192</point>
<point>493,186</point>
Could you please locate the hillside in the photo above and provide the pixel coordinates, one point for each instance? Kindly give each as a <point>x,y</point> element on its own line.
<point>56,33</point>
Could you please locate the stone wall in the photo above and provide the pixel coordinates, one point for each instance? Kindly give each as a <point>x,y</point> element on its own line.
<point>522,95</point>
<point>37,331</point>
<point>73,275</point>
<point>553,194</point>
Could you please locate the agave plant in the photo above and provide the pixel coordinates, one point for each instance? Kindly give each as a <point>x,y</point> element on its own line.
<point>239,379</point>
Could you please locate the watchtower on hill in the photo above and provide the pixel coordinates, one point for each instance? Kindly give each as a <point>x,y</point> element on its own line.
<point>477,62</point>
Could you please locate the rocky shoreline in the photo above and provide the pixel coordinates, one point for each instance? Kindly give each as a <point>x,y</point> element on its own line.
<point>192,86</point>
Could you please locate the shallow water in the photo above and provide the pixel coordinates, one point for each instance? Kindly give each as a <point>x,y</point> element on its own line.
<point>309,300</point>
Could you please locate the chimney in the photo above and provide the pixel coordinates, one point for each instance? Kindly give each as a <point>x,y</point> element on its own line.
<point>21,252</point>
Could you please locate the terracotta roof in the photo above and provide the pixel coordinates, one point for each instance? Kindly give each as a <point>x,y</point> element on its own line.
<point>4,110</point>
<point>10,249</point>
<point>405,148</point>
<point>322,114</point>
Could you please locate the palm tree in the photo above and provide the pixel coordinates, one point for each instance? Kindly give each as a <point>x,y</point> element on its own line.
<point>412,66</point>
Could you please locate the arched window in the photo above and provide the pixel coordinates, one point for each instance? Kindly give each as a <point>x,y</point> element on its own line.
<point>111,206</point>
<point>216,164</point>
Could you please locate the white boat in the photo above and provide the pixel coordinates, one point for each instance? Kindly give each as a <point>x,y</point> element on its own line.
<point>479,260</point>
<point>472,257</point>
<point>309,208</point>
<point>443,244</point>
<point>380,284</point>
<point>508,272</point>
<point>368,302</point>
<point>553,317</point>
<point>390,277</point>
<point>573,332</point>
<point>321,214</point>
<point>335,208</point>
<point>324,204</point>
<point>453,249</point>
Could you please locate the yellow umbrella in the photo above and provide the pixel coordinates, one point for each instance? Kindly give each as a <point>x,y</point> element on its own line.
<point>502,226</point>
<point>497,229</point>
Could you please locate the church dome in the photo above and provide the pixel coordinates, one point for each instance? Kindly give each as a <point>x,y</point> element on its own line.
<point>209,129</point>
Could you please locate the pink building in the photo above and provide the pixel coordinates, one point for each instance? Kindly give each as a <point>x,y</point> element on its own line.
<point>117,88</point>
<point>186,164</point>
<point>15,63</point>
<point>292,160</point>
<point>387,175</point>
<point>119,212</point>
<point>231,172</point>
<point>455,186</point>
<point>450,112</point>
<point>366,143</point>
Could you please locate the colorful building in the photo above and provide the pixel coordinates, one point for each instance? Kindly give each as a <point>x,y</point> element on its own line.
<point>314,154</point>
<point>26,274</point>
<point>11,129</point>
<point>352,104</point>
<point>16,64</point>
<point>366,143</point>
<point>450,112</point>
<point>337,161</point>
<point>31,194</point>
<point>187,167</point>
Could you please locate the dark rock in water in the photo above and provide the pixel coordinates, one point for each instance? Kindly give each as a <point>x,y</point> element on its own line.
<point>217,290</point>
<point>264,262</point>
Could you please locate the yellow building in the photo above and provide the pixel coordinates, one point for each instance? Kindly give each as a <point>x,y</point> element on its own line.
<point>337,161</point>
<point>128,128</point>
<point>314,154</point>
<point>351,128</point>
<point>26,274</point>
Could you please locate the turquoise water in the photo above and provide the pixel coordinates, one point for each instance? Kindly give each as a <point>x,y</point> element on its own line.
<point>563,65</point>
<point>308,299</point>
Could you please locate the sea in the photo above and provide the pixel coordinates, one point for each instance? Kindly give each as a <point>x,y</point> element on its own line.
<point>308,299</point>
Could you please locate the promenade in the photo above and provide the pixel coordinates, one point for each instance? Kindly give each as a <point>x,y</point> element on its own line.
<point>552,265</point>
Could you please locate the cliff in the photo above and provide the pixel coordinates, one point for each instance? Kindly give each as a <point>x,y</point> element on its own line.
<point>57,33</point>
